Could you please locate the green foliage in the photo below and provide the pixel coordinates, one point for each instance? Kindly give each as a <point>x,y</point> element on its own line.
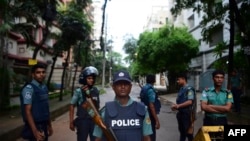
<point>76,30</point>
<point>220,49</point>
<point>170,49</point>
<point>216,14</point>
<point>240,61</point>
<point>73,23</point>
<point>130,48</point>
<point>102,91</point>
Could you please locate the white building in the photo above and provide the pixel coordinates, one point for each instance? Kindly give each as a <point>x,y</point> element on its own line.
<point>158,16</point>
<point>206,57</point>
<point>19,54</point>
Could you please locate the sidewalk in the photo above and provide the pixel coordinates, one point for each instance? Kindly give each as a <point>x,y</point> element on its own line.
<point>11,123</point>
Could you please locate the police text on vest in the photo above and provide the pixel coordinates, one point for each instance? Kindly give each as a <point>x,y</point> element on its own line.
<point>125,122</point>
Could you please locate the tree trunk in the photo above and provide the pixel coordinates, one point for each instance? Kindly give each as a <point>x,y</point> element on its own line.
<point>1,50</point>
<point>74,78</point>
<point>41,43</point>
<point>52,70</point>
<point>63,75</point>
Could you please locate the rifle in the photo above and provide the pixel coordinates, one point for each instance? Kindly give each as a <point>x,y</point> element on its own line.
<point>108,132</point>
<point>191,127</point>
<point>193,113</point>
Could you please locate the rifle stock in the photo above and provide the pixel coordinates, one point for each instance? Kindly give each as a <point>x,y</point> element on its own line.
<point>108,132</point>
<point>191,127</point>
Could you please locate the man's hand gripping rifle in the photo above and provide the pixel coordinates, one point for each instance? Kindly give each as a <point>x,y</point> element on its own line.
<point>93,112</point>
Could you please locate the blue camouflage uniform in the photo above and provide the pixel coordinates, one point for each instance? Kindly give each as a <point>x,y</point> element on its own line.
<point>37,95</point>
<point>83,122</point>
<point>128,133</point>
<point>221,98</point>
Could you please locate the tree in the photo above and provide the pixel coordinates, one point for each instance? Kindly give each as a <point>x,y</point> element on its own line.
<point>75,27</point>
<point>157,50</point>
<point>217,13</point>
<point>5,26</point>
<point>169,49</point>
<point>130,48</point>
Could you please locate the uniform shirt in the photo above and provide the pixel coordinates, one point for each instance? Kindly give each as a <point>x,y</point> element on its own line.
<point>151,95</point>
<point>28,91</point>
<point>77,97</point>
<point>221,98</point>
<point>235,81</point>
<point>184,94</point>
<point>147,129</point>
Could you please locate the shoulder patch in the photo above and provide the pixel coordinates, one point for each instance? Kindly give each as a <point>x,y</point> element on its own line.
<point>190,92</point>
<point>148,121</point>
<point>27,95</point>
<point>204,94</point>
<point>230,95</point>
<point>28,86</point>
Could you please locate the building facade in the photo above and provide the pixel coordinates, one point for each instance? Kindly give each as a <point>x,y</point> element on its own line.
<point>160,15</point>
<point>19,54</point>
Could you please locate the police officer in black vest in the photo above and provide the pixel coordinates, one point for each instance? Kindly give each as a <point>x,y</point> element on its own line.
<point>83,122</point>
<point>35,107</point>
<point>185,99</point>
<point>128,119</point>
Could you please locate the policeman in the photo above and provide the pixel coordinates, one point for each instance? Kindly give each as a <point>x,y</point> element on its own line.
<point>236,89</point>
<point>83,122</point>
<point>184,101</point>
<point>150,98</point>
<point>128,119</point>
<point>34,100</point>
<point>216,101</point>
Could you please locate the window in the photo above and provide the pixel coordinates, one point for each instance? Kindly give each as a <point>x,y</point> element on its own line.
<point>166,19</point>
<point>21,50</point>
<point>216,37</point>
<point>155,29</point>
<point>191,21</point>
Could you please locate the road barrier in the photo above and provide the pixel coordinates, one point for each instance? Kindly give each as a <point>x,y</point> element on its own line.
<point>210,133</point>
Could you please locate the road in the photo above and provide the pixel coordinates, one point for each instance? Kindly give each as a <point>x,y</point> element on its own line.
<point>167,132</point>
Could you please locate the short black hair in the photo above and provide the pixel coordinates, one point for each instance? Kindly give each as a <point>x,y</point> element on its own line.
<point>150,78</point>
<point>234,70</point>
<point>182,75</point>
<point>218,72</point>
<point>36,66</point>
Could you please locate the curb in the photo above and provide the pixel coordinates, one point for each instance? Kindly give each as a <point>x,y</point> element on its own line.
<point>14,134</point>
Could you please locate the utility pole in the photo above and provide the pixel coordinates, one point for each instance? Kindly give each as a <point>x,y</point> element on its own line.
<point>104,54</point>
<point>110,68</point>
<point>231,42</point>
<point>103,41</point>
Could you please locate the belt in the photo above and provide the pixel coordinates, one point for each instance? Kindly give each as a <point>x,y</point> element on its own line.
<point>215,118</point>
